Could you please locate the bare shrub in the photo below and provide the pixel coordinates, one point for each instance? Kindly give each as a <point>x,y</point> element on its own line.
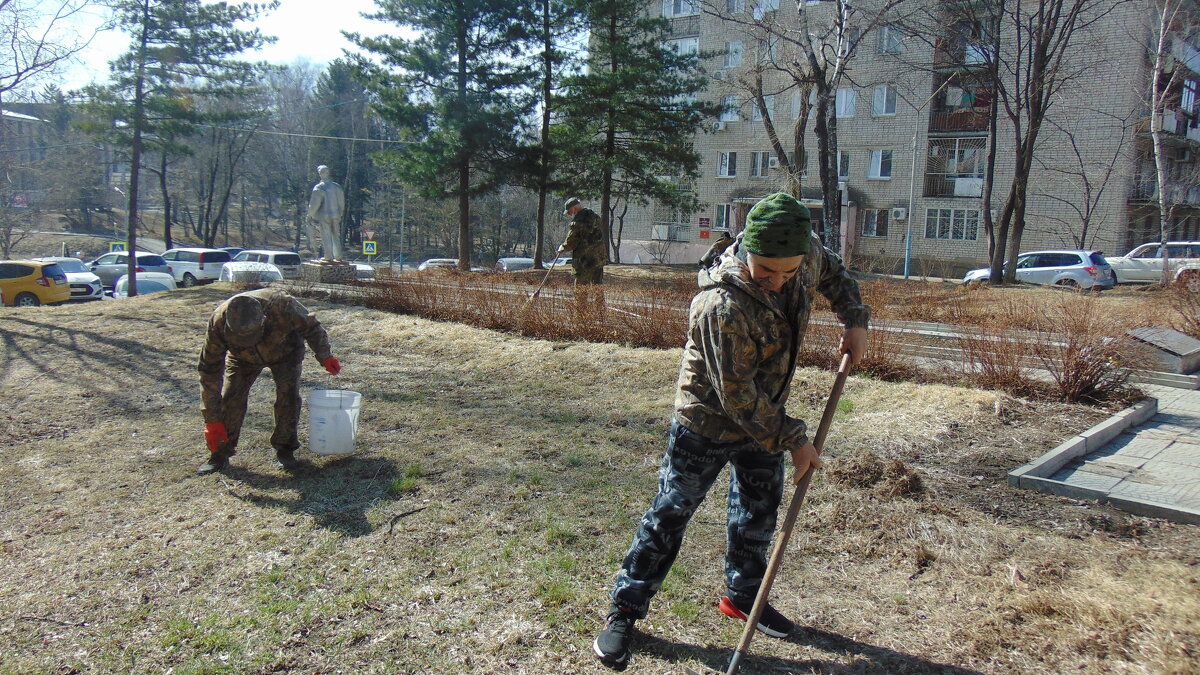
<point>993,359</point>
<point>1085,351</point>
<point>1185,301</point>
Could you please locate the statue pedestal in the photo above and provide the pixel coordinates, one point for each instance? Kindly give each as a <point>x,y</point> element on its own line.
<point>327,272</point>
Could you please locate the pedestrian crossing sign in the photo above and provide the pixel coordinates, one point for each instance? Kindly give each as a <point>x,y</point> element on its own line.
<point>369,248</point>
<point>115,246</point>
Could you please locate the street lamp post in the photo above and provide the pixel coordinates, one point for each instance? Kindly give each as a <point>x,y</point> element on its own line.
<point>912,173</point>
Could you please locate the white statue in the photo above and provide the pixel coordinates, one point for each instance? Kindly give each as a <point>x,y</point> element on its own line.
<point>325,210</point>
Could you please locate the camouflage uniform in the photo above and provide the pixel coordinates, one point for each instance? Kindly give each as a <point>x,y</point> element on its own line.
<point>718,247</point>
<point>286,328</point>
<point>730,404</point>
<point>589,254</point>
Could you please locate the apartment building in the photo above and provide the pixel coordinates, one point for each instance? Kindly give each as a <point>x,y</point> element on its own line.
<point>912,120</point>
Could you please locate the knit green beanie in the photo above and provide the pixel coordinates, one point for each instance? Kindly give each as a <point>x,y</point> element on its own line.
<point>777,226</point>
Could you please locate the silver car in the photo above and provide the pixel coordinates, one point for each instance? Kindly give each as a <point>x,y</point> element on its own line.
<point>111,266</point>
<point>1071,268</point>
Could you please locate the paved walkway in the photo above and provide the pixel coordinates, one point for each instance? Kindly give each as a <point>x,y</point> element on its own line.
<point>1144,461</point>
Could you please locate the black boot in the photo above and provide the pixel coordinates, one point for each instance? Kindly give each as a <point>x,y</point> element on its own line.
<point>612,644</point>
<point>287,460</point>
<point>216,462</point>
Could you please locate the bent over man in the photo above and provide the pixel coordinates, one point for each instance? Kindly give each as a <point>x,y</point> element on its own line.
<point>250,331</point>
<point>589,252</point>
<point>744,332</point>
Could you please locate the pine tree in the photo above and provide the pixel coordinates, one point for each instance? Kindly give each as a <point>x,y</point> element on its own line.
<point>630,117</point>
<point>456,91</point>
<point>181,51</point>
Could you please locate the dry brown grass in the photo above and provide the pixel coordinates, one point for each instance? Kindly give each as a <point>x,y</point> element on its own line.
<point>497,484</point>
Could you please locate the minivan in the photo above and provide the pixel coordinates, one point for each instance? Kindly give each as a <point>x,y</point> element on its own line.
<point>191,266</point>
<point>287,262</point>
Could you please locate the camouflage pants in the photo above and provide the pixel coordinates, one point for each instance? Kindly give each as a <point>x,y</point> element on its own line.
<point>689,468</point>
<point>235,393</point>
<point>589,289</point>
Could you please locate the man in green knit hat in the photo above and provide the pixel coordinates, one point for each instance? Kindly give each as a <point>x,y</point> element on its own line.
<point>744,333</point>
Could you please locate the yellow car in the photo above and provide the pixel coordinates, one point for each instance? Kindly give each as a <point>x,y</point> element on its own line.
<point>27,283</point>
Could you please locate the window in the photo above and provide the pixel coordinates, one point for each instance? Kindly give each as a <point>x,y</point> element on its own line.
<point>760,162</point>
<point>891,40</point>
<point>952,224</point>
<point>735,6</point>
<point>727,164</point>
<point>845,101</point>
<point>885,101</point>
<point>729,109</point>
<point>766,51</point>
<point>761,7</point>
<point>769,102</point>
<point>795,105</point>
<point>733,55</point>
<point>674,8</point>
<point>875,223</point>
<point>881,165</point>
<point>843,165</point>
<point>1187,99</point>
<point>685,46</point>
<point>724,216</point>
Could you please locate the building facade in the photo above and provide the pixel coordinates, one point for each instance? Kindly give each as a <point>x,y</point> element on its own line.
<point>912,117</point>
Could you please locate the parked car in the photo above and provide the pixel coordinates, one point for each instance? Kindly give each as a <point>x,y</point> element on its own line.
<point>435,263</point>
<point>191,266</point>
<point>287,262</point>
<point>84,284</point>
<point>1144,263</point>
<point>147,282</point>
<point>363,271</point>
<point>231,250</point>
<point>1078,269</point>
<point>110,266</point>
<point>513,264</point>
<point>29,283</point>
<point>558,263</point>
<point>250,272</point>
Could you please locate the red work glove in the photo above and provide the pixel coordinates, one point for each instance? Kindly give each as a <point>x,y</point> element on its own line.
<point>332,365</point>
<point>214,432</point>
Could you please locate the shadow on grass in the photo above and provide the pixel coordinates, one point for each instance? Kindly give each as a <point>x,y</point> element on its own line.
<point>864,657</point>
<point>336,494</point>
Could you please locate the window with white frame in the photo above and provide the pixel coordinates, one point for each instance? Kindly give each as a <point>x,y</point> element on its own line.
<point>795,105</point>
<point>761,7</point>
<point>769,102</point>
<point>733,54</point>
<point>885,101</point>
<point>760,162</point>
<point>845,101</point>
<point>685,46</point>
<point>843,165</point>
<point>726,164</point>
<point>891,40</point>
<point>874,223</point>
<point>766,51</point>
<point>952,224</point>
<point>724,216</point>
<point>1187,97</point>
<point>881,165</point>
<point>735,6</point>
<point>729,109</point>
<point>674,8</point>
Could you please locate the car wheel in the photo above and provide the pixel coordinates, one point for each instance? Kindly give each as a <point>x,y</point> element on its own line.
<point>1069,283</point>
<point>188,280</point>
<point>26,300</point>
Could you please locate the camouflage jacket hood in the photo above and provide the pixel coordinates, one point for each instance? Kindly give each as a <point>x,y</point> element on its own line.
<point>287,326</point>
<point>743,342</point>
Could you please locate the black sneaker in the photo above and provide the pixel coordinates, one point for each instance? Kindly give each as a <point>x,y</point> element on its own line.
<point>771,622</point>
<point>214,463</point>
<point>612,644</point>
<point>288,461</point>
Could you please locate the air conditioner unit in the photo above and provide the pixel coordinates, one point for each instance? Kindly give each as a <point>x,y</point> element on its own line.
<point>1184,155</point>
<point>773,162</point>
<point>718,75</point>
<point>718,125</point>
<point>660,232</point>
<point>899,213</point>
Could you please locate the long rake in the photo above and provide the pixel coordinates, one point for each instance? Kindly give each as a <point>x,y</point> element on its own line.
<point>789,523</point>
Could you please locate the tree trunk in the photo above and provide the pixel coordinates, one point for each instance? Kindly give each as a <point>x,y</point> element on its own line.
<point>464,158</point>
<point>544,168</point>
<point>166,200</point>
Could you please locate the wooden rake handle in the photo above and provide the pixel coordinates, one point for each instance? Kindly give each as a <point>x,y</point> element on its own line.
<point>789,522</point>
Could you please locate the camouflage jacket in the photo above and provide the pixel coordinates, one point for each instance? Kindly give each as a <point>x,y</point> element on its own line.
<point>585,241</point>
<point>742,345</point>
<point>287,327</point>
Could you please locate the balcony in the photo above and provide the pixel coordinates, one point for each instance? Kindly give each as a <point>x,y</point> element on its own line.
<point>944,120</point>
<point>959,54</point>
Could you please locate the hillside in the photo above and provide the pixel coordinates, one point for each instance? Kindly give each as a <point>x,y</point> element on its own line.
<point>496,487</point>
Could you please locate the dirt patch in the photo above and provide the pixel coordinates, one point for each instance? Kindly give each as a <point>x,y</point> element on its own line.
<point>497,483</point>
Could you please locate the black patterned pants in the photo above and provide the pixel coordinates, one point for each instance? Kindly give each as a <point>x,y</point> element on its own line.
<point>689,468</point>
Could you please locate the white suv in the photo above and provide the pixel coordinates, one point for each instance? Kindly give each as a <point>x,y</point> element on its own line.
<point>191,266</point>
<point>1144,263</point>
<point>287,262</point>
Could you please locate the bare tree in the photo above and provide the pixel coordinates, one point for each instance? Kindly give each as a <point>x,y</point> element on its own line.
<point>1171,21</point>
<point>37,37</point>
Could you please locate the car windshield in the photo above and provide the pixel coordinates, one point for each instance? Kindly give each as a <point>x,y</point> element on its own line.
<point>72,266</point>
<point>52,270</point>
<point>289,259</point>
<point>151,261</point>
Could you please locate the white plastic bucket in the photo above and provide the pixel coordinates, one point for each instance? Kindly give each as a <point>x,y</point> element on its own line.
<point>333,421</point>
